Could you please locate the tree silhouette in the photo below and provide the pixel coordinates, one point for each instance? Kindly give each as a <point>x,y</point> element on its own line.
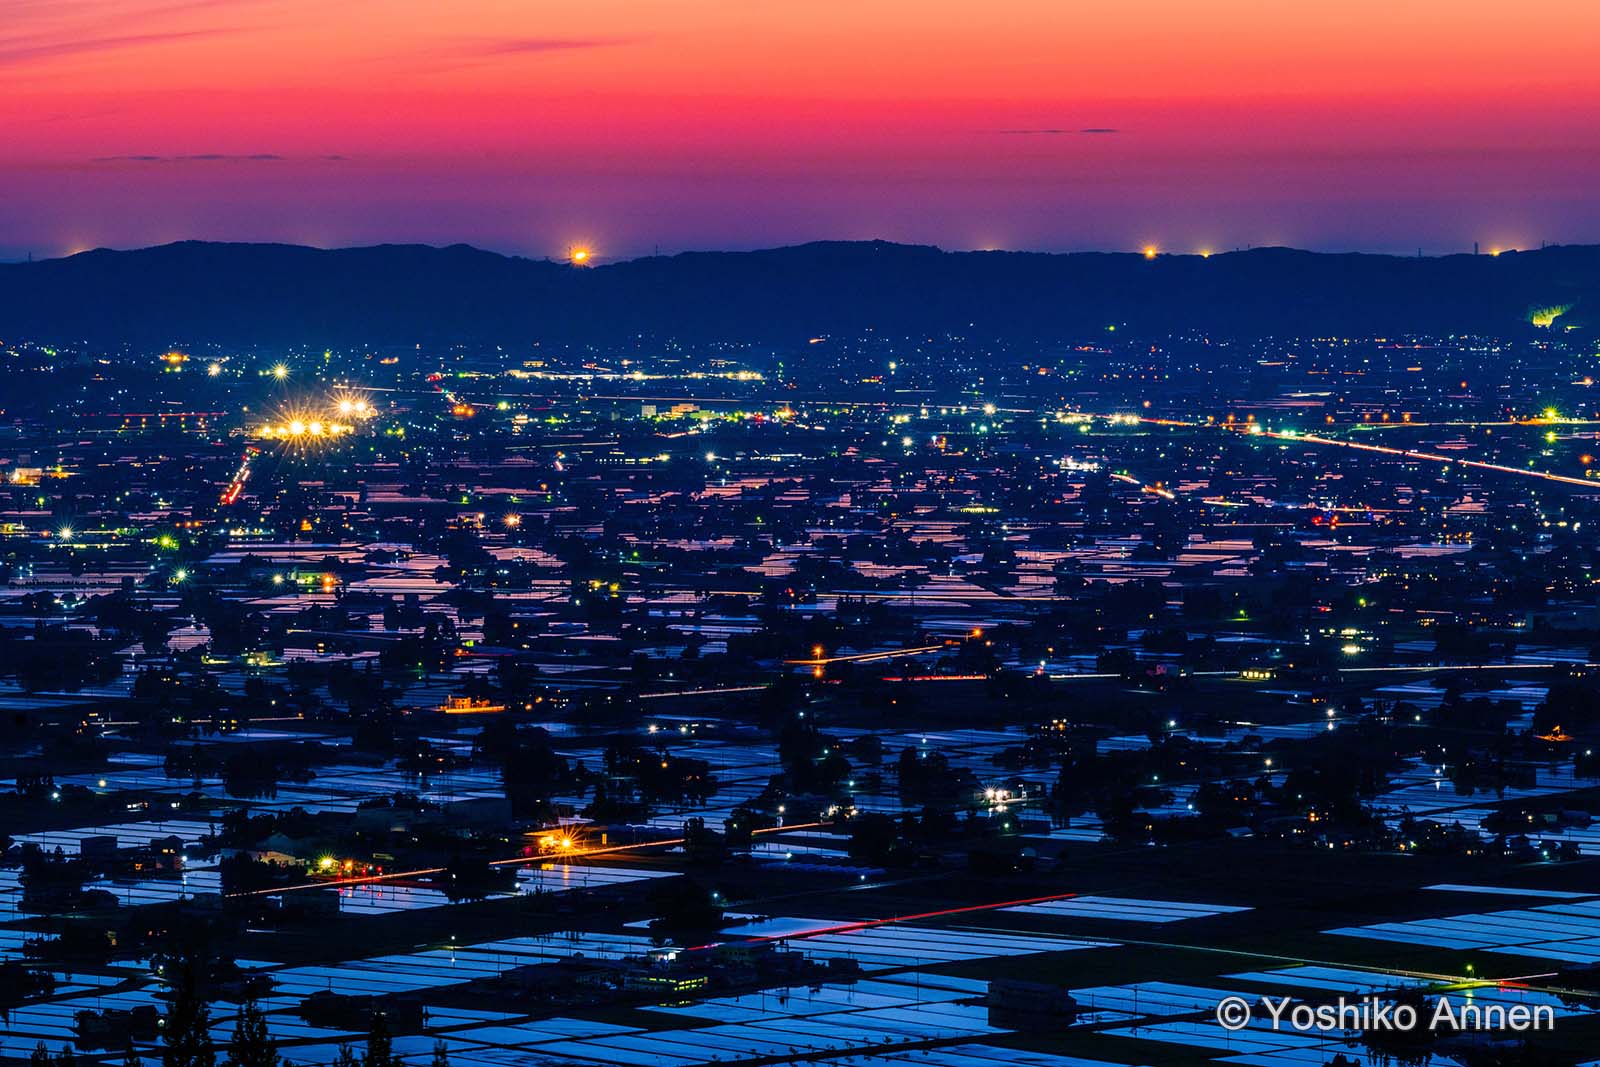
<point>252,1045</point>
<point>380,1046</point>
<point>188,1028</point>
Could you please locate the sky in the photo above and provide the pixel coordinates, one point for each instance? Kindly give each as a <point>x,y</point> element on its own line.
<point>631,126</point>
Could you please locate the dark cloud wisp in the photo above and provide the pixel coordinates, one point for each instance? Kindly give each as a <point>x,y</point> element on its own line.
<point>209,157</point>
<point>1054,131</point>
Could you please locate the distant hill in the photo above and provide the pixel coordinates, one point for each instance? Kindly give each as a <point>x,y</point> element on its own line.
<point>400,294</point>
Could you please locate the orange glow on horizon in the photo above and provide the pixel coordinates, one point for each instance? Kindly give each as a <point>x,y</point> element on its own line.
<point>707,124</point>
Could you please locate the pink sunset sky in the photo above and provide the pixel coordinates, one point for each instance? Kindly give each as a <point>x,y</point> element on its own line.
<point>529,126</point>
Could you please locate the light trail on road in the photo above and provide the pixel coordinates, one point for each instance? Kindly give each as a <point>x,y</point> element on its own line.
<point>702,692</point>
<point>868,924</point>
<point>1431,457</point>
<point>865,657</point>
<point>562,856</point>
<point>1257,430</point>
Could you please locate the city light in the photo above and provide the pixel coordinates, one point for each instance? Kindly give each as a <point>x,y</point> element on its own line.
<point>300,428</point>
<point>307,424</point>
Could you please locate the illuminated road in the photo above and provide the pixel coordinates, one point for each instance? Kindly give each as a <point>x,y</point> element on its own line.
<point>865,657</point>
<point>869,924</point>
<point>1154,490</point>
<point>561,856</point>
<point>1431,457</point>
<point>1257,430</point>
<point>1496,667</point>
<point>702,692</point>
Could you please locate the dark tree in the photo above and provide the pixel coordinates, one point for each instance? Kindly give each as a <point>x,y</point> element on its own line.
<point>683,905</point>
<point>19,983</point>
<point>251,1045</point>
<point>380,1045</point>
<point>188,1029</point>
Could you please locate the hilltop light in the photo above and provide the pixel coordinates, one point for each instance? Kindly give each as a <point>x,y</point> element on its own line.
<point>1545,317</point>
<point>1151,251</point>
<point>580,256</point>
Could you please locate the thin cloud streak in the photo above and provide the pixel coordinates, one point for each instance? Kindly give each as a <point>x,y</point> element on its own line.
<point>534,45</point>
<point>14,52</point>
<point>466,54</point>
<point>212,157</point>
<point>1052,132</point>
